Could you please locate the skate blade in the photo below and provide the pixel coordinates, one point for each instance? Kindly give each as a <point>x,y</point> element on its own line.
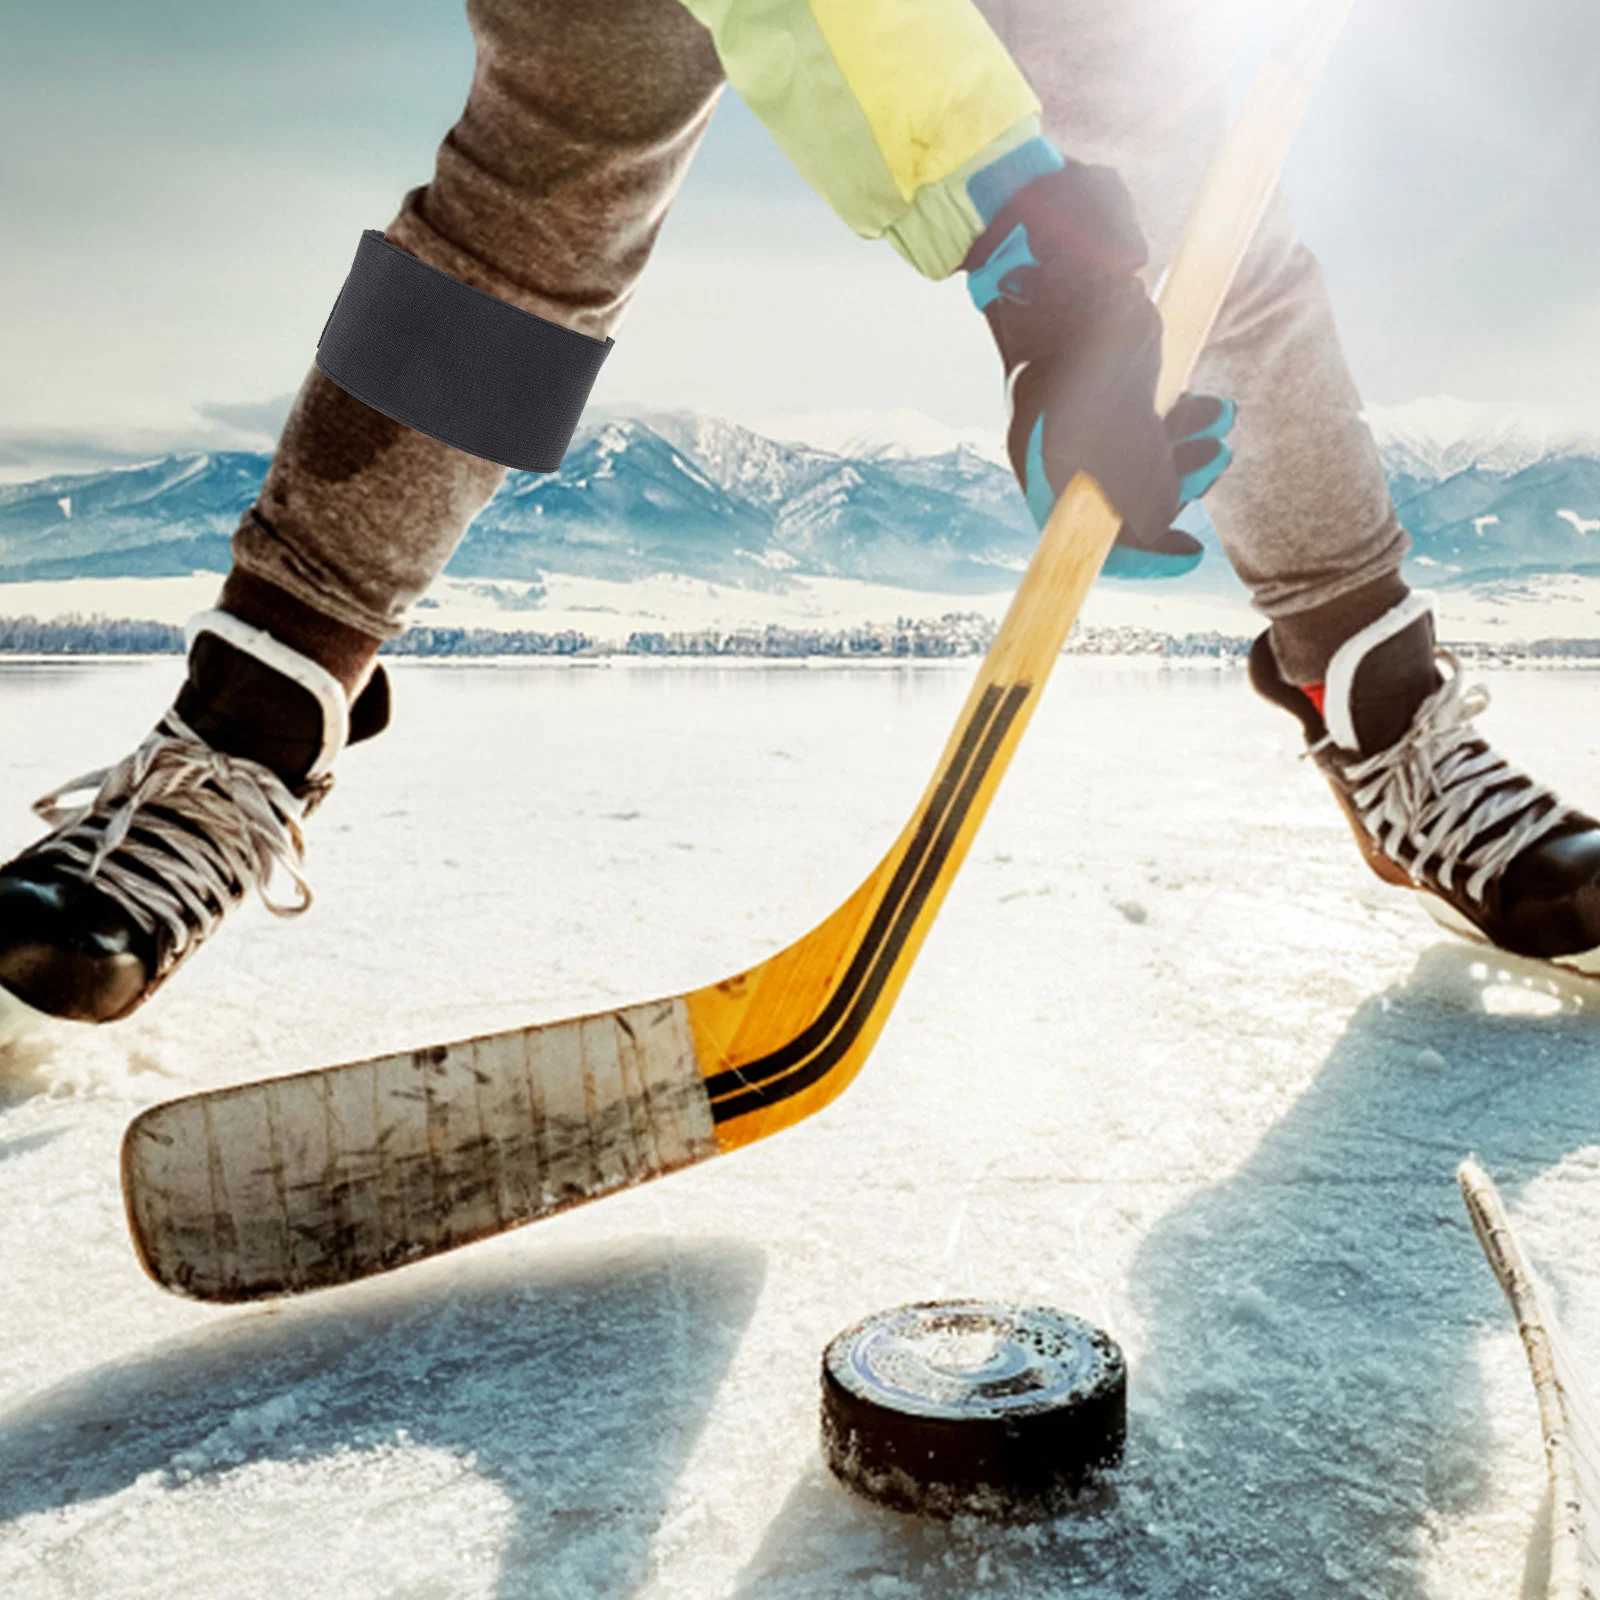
<point>1585,963</point>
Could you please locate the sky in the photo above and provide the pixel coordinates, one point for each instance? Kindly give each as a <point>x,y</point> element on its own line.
<point>182,185</point>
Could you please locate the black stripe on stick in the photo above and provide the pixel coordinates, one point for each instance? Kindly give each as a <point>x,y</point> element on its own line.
<point>818,1030</point>
<point>818,1048</point>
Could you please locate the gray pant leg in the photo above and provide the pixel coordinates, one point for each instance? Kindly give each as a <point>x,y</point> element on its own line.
<point>548,193</point>
<point>1140,85</point>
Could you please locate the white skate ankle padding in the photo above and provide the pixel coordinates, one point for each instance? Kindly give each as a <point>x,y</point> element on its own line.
<point>1341,677</point>
<point>316,680</point>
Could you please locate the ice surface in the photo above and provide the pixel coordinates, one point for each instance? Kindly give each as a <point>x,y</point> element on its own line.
<point>1171,1060</point>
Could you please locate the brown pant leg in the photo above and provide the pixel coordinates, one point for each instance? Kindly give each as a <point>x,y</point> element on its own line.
<point>548,193</point>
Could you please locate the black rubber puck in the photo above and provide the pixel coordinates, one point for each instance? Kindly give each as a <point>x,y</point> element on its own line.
<point>963,1407</point>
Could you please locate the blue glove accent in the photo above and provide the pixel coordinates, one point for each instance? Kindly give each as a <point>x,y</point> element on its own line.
<point>1218,428</point>
<point>991,187</point>
<point>1129,561</point>
<point>1194,484</point>
<point>1040,495</point>
<point>1127,558</point>
<point>987,283</point>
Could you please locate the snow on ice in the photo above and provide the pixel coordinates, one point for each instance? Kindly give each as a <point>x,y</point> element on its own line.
<point>1172,1060</point>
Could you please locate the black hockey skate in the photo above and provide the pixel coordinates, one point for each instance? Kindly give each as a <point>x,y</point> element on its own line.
<point>146,858</point>
<point>1495,856</point>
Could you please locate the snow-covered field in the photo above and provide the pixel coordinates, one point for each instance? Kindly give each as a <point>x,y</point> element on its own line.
<point>1508,611</point>
<point>1171,1059</point>
<point>611,611</point>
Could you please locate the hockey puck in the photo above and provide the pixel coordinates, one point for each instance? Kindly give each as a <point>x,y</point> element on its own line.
<point>963,1407</point>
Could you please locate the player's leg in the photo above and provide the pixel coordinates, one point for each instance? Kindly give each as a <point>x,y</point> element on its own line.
<point>1304,513</point>
<point>548,194</point>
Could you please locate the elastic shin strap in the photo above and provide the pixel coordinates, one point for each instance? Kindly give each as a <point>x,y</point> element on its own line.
<point>456,363</point>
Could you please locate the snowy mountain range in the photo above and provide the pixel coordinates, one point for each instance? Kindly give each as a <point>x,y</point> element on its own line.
<point>673,493</point>
<point>892,499</point>
<point>1437,437</point>
<point>1488,493</point>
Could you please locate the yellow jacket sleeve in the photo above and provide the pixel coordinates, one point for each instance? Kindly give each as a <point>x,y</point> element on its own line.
<point>886,107</point>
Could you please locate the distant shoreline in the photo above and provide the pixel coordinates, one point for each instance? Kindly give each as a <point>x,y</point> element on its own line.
<point>956,634</point>
<point>955,637</point>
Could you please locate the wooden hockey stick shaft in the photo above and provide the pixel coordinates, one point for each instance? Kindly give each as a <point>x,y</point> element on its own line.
<point>757,1091</point>
<point>330,1175</point>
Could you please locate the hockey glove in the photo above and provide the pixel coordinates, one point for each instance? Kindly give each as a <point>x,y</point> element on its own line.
<point>1055,272</point>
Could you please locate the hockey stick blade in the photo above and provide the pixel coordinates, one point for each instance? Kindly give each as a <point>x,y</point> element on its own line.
<point>328,1176</point>
<point>1571,1431</point>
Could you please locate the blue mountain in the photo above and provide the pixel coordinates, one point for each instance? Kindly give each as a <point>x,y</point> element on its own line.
<point>1480,524</point>
<point>680,494</point>
<point>708,499</point>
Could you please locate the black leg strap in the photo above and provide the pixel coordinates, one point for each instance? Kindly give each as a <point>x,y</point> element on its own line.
<point>456,363</point>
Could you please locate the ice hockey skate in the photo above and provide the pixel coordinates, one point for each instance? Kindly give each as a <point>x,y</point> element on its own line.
<point>145,858</point>
<point>1496,856</point>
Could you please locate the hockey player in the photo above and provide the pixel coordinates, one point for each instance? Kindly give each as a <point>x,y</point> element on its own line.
<point>913,121</point>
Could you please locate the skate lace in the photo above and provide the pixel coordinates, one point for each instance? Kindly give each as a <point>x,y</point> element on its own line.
<point>177,833</point>
<point>1444,794</point>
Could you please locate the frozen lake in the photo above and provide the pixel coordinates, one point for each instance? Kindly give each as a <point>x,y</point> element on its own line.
<point>1172,1059</point>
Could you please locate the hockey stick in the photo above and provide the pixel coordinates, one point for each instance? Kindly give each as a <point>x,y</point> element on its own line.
<point>1571,1431</point>
<point>327,1176</point>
